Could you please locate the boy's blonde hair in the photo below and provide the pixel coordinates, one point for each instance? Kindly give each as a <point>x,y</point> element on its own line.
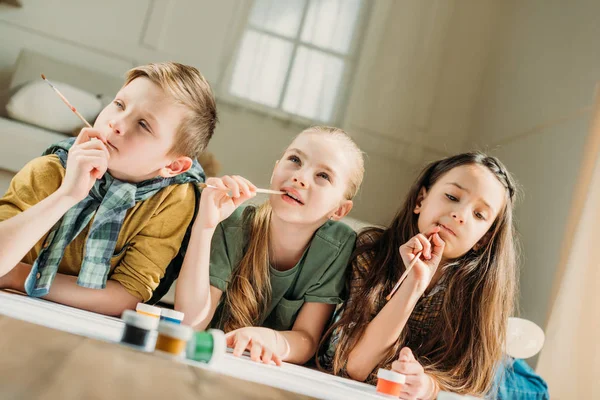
<point>189,88</point>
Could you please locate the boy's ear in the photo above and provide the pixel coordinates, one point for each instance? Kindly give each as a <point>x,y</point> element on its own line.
<point>342,210</point>
<point>176,167</point>
<point>422,195</point>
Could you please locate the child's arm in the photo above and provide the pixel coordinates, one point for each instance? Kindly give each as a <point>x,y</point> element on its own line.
<point>64,290</point>
<point>88,161</point>
<point>296,346</point>
<point>383,331</point>
<point>194,296</point>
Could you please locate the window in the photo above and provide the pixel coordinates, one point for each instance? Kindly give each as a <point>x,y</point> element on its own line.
<point>296,56</point>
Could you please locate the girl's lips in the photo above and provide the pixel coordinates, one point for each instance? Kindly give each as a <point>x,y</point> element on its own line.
<point>445,228</point>
<point>291,201</point>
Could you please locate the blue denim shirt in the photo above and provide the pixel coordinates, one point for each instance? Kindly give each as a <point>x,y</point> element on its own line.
<point>520,382</point>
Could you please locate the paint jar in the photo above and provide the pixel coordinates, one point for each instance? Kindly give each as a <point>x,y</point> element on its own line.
<point>207,346</point>
<point>389,382</point>
<point>138,329</point>
<point>172,338</point>
<point>146,309</point>
<point>172,316</point>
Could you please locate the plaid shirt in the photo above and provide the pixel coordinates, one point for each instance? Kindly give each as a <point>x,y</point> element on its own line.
<point>420,323</point>
<point>108,202</point>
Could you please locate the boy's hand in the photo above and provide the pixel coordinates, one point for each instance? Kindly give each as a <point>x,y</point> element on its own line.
<point>218,204</point>
<point>431,255</point>
<point>87,162</point>
<point>418,384</point>
<point>251,339</point>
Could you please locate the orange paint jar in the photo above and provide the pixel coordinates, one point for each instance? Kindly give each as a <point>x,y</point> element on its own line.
<point>390,383</point>
<point>172,338</point>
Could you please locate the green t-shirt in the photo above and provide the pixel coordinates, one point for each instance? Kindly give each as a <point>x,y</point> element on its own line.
<point>318,277</point>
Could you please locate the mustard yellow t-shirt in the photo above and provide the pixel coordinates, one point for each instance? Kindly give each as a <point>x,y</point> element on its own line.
<point>150,236</point>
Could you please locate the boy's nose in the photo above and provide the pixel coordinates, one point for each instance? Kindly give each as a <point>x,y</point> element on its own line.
<point>113,125</point>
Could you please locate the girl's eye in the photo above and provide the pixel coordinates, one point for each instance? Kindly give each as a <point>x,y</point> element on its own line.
<point>324,176</point>
<point>480,216</point>
<point>119,104</point>
<point>144,125</point>
<point>451,198</point>
<point>294,159</point>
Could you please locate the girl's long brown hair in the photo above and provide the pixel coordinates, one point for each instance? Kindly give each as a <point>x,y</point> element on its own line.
<point>249,292</point>
<point>465,348</point>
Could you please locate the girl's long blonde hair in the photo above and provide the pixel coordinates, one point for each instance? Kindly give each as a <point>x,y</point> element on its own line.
<point>465,348</point>
<point>249,292</point>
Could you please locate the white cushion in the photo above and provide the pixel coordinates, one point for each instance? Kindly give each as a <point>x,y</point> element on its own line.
<point>36,103</point>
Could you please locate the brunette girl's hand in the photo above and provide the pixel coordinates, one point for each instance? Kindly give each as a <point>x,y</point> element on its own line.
<point>431,256</point>
<point>418,384</point>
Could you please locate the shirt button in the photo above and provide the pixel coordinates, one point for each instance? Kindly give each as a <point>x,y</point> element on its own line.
<point>38,275</point>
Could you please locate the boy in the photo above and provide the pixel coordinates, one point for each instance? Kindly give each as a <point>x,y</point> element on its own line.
<point>110,210</point>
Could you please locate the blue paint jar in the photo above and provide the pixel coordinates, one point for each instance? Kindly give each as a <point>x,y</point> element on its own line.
<point>172,316</point>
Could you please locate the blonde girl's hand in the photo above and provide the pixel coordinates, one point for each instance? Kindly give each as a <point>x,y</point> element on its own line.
<point>418,384</point>
<point>431,256</point>
<point>87,162</point>
<point>218,204</point>
<point>253,340</point>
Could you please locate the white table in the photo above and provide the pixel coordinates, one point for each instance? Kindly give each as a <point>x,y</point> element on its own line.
<point>289,377</point>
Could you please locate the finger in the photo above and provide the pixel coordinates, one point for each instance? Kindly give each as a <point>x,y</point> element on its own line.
<point>415,381</point>
<point>86,134</point>
<point>91,145</point>
<point>250,184</point>
<point>256,349</point>
<point>433,230</point>
<point>414,245</point>
<point>408,393</point>
<point>89,163</point>
<point>230,339</point>
<point>244,187</point>
<point>438,245</point>
<point>242,342</point>
<point>407,367</point>
<point>277,359</point>
<point>425,244</point>
<point>92,153</point>
<point>266,356</point>
<point>406,354</point>
<point>220,187</point>
<point>232,186</point>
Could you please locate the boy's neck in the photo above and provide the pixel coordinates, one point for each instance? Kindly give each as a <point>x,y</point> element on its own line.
<point>287,242</point>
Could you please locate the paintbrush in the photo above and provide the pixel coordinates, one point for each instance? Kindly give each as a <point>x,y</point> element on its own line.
<point>268,191</point>
<point>64,99</point>
<point>405,274</point>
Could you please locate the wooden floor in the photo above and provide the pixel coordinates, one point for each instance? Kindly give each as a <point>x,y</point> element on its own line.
<point>42,363</point>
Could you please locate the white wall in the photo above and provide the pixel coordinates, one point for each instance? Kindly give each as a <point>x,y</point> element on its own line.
<point>544,66</point>
<point>417,79</point>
